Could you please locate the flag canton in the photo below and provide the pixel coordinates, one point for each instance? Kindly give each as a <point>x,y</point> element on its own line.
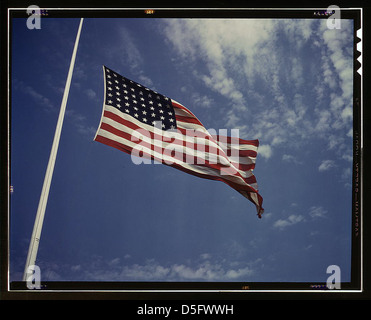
<point>143,104</point>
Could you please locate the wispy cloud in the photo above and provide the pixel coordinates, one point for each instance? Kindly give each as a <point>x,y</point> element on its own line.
<point>40,99</point>
<point>261,67</point>
<point>291,159</point>
<point>289,221</point>
<point>224,46</point>
<point>90,93</point>
<point>317,212</point>
<point>80,123</point>
<point>203,268</point>
<point>326,165</point>
<point>126,56</point>
<point>311,214</point>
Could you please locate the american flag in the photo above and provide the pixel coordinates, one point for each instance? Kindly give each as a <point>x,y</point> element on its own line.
<point>151,126</point>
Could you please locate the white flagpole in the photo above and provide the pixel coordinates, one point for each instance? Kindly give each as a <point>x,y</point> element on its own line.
<point>35,238</point>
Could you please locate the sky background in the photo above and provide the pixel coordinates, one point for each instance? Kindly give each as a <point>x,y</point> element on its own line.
<point>288,83</point>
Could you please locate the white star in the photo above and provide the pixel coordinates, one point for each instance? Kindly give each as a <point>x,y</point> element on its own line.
<point>163,125</point>
<point>127,104</point>
<point>169,113</point>
<point>144,112</point>
<point>144,119</point>
<point>109,88</point>
<point>153,115</point>
<point>162,118</point>
<point>118,99</point>
<point>150,102</point>
<point>110,101</point>
<point>127,110</point>
<point>134,101</point>
<point>161,111</point>
<point>110,94</point>
<point>126,97</point>
<point>118,105</point>
<point>136,115</point>
<point>171,120</point>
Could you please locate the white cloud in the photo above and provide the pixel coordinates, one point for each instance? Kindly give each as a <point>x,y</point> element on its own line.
<point>128,55</point>
<point>90,93</point>
<point>317,212</point>
<point>205,256</point>
<point>291,159</point>
<point>37,97</point>
<point>220,43</point>
<point>76,267</point>
<point>265,151</point>
<point>203,269</point>
<point>291,220</point>
<point>266,81</point>
<point>326,165</point>
<point>346,177</point>
<point>80,123</point>
<point>202,101</point>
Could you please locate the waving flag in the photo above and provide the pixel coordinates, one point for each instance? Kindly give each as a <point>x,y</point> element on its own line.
<point>151,126</point>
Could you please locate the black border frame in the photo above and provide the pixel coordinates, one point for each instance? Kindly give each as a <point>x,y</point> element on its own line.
<point>129,290</point>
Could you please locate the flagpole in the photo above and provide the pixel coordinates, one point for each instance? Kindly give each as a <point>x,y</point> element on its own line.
<point>35,238</point>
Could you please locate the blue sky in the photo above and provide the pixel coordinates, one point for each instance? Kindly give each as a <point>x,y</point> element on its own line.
<point>288,83</point>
